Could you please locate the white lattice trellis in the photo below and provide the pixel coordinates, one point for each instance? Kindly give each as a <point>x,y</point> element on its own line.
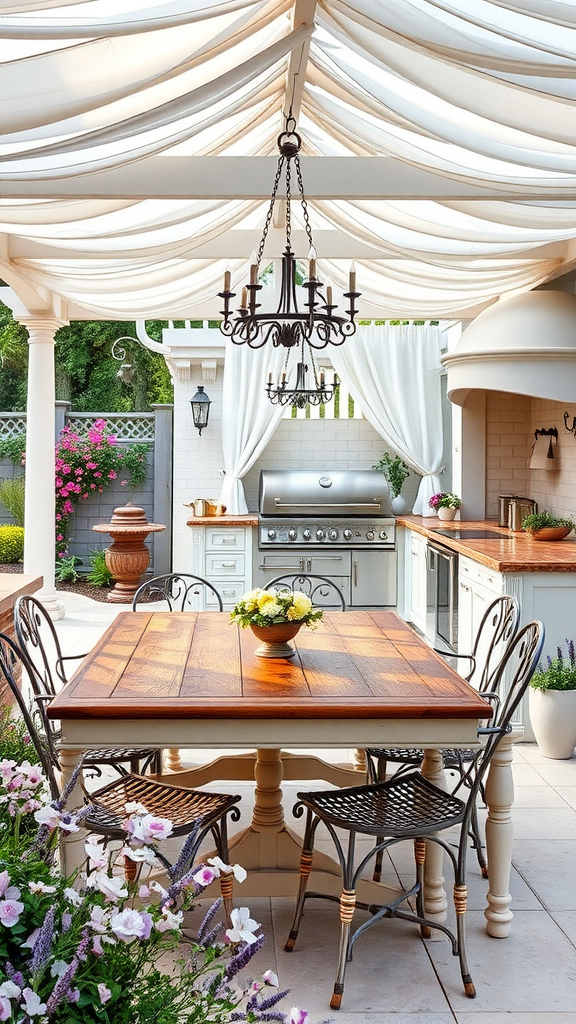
<point>126,426</point>
<point>12,424</point>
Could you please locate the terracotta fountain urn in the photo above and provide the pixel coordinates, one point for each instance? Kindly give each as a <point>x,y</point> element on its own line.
<point>127,557</point>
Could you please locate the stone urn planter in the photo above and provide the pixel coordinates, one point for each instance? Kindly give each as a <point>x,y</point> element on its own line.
<point>275,639</point>
<point>553,718</point>
<point>127,558</point>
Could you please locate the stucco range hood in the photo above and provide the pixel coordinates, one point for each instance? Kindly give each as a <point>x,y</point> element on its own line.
<point>525,345</point>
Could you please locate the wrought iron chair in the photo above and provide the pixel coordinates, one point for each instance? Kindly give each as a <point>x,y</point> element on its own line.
<point>176,589</point>
<point>495,632</point>
<point>321,590</point>
<point>409,807</point>
<point>46,670</point>
<point>193,813</point>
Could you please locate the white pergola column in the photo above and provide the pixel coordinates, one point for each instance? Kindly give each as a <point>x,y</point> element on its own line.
<point>40,502</point>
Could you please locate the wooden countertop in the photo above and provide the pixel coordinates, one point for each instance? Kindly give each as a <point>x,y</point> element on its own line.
<point>514,552</point>
<point>250,519</point>
<point>13,584</point>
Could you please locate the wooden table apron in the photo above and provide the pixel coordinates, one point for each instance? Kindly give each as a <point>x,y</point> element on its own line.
<point>361,679</point>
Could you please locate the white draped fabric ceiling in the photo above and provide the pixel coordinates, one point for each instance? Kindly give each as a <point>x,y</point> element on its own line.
<point>438,139</point>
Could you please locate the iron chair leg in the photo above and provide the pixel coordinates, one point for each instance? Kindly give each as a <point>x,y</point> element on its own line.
<point>381,766</point>
<point>305,869</point>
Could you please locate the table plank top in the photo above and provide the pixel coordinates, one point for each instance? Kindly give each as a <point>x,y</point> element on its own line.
<point>357,664</point>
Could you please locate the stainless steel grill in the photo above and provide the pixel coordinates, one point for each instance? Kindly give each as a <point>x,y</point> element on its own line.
<point>334,523</point>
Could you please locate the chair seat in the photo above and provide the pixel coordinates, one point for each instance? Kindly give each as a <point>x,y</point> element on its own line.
<point>406,806</point>
<point>415,755</point>
<point>179,805</point>
<point>112,755</point>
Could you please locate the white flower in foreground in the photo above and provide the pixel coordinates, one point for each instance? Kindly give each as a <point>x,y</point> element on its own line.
<point>73,897</point>
<point>10,990</point>
<point>41,887</point>
<point>243,926</point>
<point>221,868</point>
<point>112,888</point>
<point>59,968</point>
<point>133,807</point>
<point>142,855</point>
<point>298,1016</point>
<point>269,978</point>
<point>32,1004</point>
<point>170,921</point>
<point>95,854</point>
<point>104,993</point>
<point>204,876</point>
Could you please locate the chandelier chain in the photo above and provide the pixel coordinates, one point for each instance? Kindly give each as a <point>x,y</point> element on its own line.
<point>303,202</point>
<point>270,212</point>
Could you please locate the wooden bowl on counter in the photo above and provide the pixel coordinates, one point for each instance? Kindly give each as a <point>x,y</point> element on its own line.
<point>550,533</point>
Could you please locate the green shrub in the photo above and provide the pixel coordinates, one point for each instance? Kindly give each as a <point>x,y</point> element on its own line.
<point>11,544</point>
<point>12,496</point>
<point>99,575</point>
<point>66,569</point>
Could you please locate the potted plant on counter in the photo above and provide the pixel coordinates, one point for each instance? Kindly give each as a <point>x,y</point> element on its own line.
<point>546,526</point>
<point>396,472</point>
<point>553,704</point>
<point>445,504</point>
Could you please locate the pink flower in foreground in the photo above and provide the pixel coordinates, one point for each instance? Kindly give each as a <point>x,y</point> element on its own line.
<point>104,993</point>
<point>10,911</point>
<point>131,924</point>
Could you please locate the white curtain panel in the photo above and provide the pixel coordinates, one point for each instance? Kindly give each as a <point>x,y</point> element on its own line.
<point>394,372</point>
<point>249,419</point>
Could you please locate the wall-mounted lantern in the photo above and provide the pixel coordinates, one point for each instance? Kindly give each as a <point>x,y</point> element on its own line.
<point>200,409</point>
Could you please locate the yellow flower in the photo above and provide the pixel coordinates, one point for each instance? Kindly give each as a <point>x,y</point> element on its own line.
<point>250,600</point>
<point>265,597</point>
<point>270,609</point>
<point>301,605</point>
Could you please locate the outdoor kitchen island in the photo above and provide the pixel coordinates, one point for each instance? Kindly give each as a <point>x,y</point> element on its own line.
<point>492,560</point>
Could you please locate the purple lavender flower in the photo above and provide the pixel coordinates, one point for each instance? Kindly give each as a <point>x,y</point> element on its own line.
<point>559,654</point>
<point>571,651</point>
<point>60,990</point>
<point>239,961</point>
<point>206,923</point>
<point>183,862</point>
<point>43,944</point>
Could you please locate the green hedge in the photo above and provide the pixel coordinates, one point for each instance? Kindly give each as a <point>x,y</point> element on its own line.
<point>11,544</point>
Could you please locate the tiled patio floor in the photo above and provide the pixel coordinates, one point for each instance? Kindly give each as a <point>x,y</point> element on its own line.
<point>396,978</point>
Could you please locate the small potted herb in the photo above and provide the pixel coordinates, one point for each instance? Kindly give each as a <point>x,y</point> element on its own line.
<point>546,526</point>
<point>553,704</point>
<point>396,472</point>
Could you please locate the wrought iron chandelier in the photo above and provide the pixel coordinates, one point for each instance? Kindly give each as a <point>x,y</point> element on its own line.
<point>314,328</point>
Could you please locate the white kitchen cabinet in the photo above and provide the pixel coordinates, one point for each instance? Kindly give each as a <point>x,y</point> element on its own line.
<point>477,588</point>
<point>223,555</point>
<point>417,585</point>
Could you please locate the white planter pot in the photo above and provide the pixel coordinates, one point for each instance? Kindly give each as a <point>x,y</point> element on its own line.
<point>447,513</point>
<point>398,505</point>
<point>553,717</point>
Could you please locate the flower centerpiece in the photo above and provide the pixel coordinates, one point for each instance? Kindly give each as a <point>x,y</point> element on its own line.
<point>88,949</point>
<point>275,616</point>
<point>446,504</point>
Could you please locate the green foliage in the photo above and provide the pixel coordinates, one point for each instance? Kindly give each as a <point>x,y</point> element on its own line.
<point>395,470</point>
<point>12,496</point>
<point>66,571</point>
<point>560,672</point>
<point>133,459</point>
<point>11,544</point>
<point>85,370</point>
<point>14,448</point>
<point>99,575</point>
<point>544,520</point>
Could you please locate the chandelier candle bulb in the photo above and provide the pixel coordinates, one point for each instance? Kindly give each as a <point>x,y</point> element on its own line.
<point>328,294</point>
<point>352,276</point>
<point>253,269</point>
<point>227,279</point>
<point>312,264</point>
<point>244,299</point>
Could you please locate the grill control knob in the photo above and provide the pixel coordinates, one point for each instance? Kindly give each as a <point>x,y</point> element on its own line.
<point>369,534</point>
<point>292,534</point>
<point>333,534</point>
<point>320,534</point>
<point>306,534</point>
<point>383,535</point>
<point>271,534</point>
<point>347,534</point>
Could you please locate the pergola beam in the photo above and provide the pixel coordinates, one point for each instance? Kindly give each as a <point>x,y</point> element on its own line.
<point>251,178</point>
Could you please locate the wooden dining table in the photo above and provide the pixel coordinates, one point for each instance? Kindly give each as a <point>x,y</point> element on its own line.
<point>362,678</point>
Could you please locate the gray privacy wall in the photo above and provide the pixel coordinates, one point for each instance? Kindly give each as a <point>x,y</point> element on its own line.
<point>154,495</point>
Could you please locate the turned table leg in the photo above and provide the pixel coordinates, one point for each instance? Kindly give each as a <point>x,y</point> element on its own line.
<point>499,838</point>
